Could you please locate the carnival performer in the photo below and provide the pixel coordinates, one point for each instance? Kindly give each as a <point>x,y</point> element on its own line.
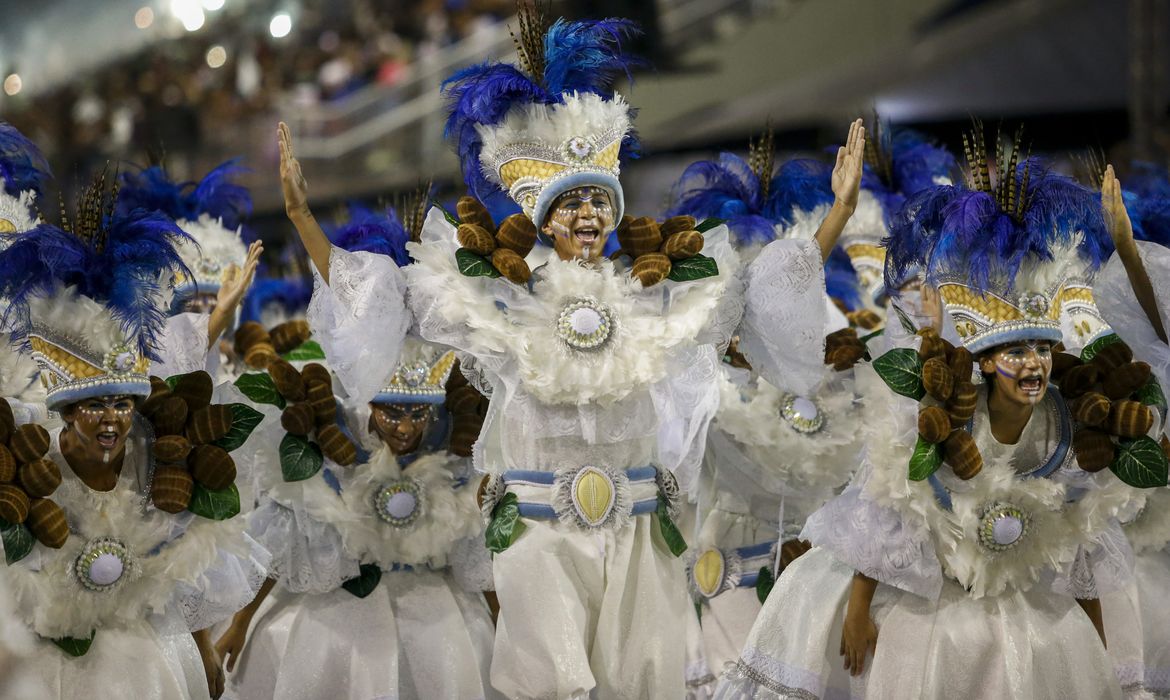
<point>601,374</point>
<point>1130,292</point>
<point>23,174</point>
<point>773,457</point>
<point>379,563</point>
<point>117,558</point>
<point>220,265</point>
<point>898,164</point>
<point>970,565</point>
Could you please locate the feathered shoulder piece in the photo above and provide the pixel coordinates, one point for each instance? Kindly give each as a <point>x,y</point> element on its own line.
<point>1000,249</point>
<point>520,128</point>
<point>22,167</point>
<point>216,195</point>
<point>372,231</point>
<point>88,297</point>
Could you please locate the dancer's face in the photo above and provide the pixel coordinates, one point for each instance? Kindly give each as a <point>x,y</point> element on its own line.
<point>579,223</point>
<point>101,425</point>
<point>200,303</point>
<point>1021,370</point>
<point>401,426</point>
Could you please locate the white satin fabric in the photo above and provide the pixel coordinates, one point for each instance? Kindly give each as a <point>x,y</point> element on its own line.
<point>417,635</point>
<point>1034,644</point>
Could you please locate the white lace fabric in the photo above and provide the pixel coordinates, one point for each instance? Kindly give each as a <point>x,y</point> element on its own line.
<point>182,345</point>
<point>360,319</point>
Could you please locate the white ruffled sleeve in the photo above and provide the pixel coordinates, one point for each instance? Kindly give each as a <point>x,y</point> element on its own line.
<point>182,347</point>
<point>307,555</point>
<point>225,587</point>
<point>1118,304</point>
<point>360,319</point>
<point>783,329</point>
<point>875,541</point>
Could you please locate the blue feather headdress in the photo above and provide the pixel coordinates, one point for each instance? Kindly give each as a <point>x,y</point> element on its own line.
<point>88,299</point>
<point>216,195</point>
<point>22,167</point>
<point>552,123</point>
<point>724,189</point>
<point>372,231</point>
<point>1001,254</point>
<point>209,211</point>
<point>841,282</point>
<point>898,163</point>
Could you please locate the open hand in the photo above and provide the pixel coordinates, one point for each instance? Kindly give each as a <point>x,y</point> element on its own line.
<point>231,644</point>
<point>292,181</point>
<point>858,639</point>
<point>236,280</point>
<point>1112,201</point>
<point>846,180</point>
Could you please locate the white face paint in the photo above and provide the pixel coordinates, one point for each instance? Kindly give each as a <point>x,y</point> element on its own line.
<point>1021,370</point>
<point>579,222</point>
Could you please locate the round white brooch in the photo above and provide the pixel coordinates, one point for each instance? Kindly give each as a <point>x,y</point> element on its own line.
<point>577,148</point>
<point>399,503</point>
<point>804,415</point>
<point>585,324</point>
<point>102,564</point>
<point>120,360</point>
<point>1034,305</point>
<point>1002,526</point>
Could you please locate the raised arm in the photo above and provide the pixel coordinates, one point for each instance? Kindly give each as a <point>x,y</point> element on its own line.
<point>846,182</point>
<point>296,204</point>
<point>236,281</point>
<point>1121,229</point>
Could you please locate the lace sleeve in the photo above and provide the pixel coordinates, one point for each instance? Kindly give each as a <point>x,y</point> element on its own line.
<point>1120,307</point>
<point>183,345</point>
<point>307,555</point>
<point>360,318</point>
<point>783,328</point>
<point>225,587</point>
<point>874,541</point>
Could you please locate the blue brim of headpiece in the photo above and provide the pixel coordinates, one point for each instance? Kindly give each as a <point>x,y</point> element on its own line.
<point>132,385</point>
<point>556,188</point>
<point>385,397</point>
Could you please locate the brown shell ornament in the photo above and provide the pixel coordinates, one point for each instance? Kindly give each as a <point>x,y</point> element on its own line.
<point>212,467</point>
<point>471,211</point>
<point>476,239</point>
<point>290,335</point>
<point>209,424</point>
<point>29,443</point>
<point>961,452</point>
<point>172,488</point>
<point>47,522</point>
<point>1091,408</point>
<point>934,424</point>
<point>517,233</point>
<point>336,446</point>
<point>511,265</point>
<point>1094,449</point>
<point>937,378</point>
<point>640,237</point>
<point>651,268</point>
<point>681,245</point>
<point>14,504</point>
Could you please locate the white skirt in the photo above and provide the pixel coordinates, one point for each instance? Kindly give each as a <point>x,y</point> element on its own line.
<point>1137,627</point>
<point>136,662</point>
<point>416,635</point>
<point>1034,645</point>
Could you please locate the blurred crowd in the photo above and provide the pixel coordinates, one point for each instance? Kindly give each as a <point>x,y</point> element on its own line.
<point>186,95</point>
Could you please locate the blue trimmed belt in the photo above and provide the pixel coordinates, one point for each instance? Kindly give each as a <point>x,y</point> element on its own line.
<point>750,575</point>
<point>638,480</point>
